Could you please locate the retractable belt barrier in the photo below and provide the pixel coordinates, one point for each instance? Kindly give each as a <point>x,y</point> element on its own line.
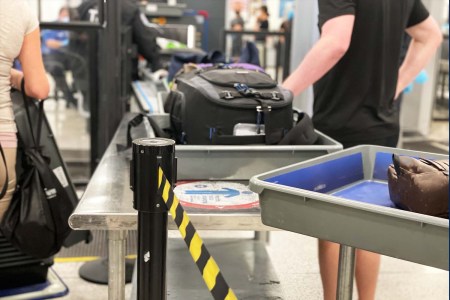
<point>152,170</point>
<point>205,262</point>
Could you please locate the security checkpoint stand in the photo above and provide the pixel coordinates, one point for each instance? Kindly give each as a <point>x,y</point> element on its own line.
<point>148,156</point>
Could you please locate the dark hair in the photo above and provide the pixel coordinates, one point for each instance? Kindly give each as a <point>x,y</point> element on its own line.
<point>264,9</point>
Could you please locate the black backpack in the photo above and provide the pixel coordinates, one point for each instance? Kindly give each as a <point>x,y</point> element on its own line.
<point>36,221</point>
<point>219,106</point>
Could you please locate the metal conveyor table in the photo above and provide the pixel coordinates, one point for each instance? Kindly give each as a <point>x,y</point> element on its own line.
<point>107,203</point>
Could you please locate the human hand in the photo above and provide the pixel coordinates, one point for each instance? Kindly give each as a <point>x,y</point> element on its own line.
<point>16,79</point>
<point>53,44</point>
<point>421,78</point>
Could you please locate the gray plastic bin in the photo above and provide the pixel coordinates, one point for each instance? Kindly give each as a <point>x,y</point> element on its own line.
<point>302,198</point>
<point>205,162</point>
<point>218,162</point>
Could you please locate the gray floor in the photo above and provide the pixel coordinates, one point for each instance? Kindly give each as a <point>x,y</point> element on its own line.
<point>293,256</point>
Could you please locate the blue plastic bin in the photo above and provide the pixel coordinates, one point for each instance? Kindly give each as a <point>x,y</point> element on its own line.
<point>343,197</point>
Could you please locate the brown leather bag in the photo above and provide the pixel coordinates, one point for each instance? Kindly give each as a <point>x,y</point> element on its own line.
<point>419,185</point>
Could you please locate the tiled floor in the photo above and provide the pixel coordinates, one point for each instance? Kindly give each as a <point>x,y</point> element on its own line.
<point>293,256</point>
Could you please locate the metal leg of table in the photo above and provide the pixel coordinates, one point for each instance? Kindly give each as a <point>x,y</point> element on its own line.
<point>345,273</point>
<point>262,236</point>
<point>116,268</point>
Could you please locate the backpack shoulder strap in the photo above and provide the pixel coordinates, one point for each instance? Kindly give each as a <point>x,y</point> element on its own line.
<point>5,186</point>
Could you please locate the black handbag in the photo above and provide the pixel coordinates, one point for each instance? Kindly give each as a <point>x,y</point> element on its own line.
<point>36,221</point>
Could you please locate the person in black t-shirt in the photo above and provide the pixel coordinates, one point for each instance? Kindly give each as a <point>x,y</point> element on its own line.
<point>355,71</point>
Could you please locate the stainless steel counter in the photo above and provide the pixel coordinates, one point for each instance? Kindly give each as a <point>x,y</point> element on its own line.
<point>108,201</point>
<point>107,204</point>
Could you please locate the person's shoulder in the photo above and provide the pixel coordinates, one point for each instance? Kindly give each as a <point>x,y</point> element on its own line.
<point>16,4</point>
<point>19,10</point>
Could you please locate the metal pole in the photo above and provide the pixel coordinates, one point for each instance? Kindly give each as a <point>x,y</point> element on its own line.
<point>345,273</point>
<point>262,236</point>
<point>116,268</point>
<point>287,54</point>
<point>148,155</point>
<point>109,106</point>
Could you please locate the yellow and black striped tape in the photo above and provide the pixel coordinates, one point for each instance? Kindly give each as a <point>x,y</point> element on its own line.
<point>205,262</point>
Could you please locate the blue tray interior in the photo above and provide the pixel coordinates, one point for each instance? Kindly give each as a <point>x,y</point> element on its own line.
<point>345,174</point>
<point>367,191</point>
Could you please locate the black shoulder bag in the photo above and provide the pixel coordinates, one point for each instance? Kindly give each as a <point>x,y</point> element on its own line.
<point>36,221</point>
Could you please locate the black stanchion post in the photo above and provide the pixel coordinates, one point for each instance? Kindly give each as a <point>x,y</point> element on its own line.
<point>148,156</point>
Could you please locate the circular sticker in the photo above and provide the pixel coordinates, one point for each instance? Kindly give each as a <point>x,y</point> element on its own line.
<point>216,195</point>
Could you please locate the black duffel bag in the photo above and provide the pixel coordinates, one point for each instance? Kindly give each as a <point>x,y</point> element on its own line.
<point>225,106</point>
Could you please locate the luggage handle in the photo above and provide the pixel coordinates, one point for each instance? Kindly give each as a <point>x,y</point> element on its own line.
<point>267,85</point>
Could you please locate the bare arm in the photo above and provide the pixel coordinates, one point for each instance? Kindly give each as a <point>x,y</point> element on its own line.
<point>331,47</point>
<point>426,38</point>
<point>16,78</point>
<point>36,82</point>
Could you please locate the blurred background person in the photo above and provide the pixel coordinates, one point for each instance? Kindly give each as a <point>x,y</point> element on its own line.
<point>56,60</point>
<point>237,24</point>
<point>262,22</point>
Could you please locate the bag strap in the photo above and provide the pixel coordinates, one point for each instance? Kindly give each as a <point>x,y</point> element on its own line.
<point>52,187</point>
<point>396,163</point>
<point>133,123</point>
<point>5,186</point>
<point>439,165</point>
<point>47,176</point>
<point>26,101</point>
<point>136,121</point>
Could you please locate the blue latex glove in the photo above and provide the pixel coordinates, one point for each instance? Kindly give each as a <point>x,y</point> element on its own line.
<point>421,78</point>
<point>409,88</point>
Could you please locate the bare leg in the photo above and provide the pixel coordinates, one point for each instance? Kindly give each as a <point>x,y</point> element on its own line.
<point>10,155</point>
<point>366,273</point>
<point>328,262</point>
